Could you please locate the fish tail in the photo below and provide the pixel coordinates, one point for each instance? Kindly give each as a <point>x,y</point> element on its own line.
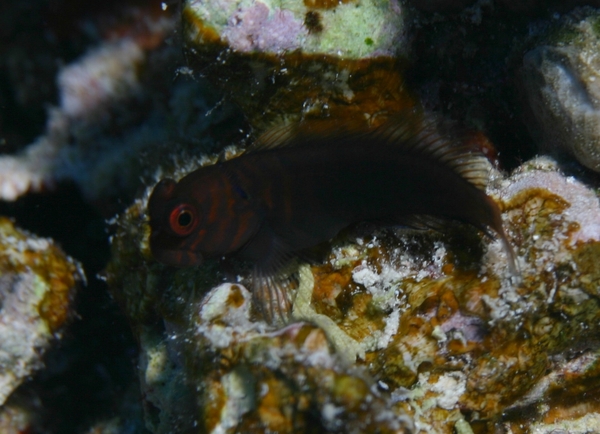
<point>513,265</point>
<point>496,224</point>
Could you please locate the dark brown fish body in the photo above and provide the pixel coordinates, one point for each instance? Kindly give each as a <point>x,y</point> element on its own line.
<point>269,204</point>
<point>306,195</point>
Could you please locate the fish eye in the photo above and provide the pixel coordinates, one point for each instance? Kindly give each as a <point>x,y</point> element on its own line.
<point>183,219</point>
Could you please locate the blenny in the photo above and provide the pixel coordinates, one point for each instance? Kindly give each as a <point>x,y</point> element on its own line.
<point>295,191</point>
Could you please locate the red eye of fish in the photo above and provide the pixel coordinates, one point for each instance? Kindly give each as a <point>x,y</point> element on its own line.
<point>183,219</point>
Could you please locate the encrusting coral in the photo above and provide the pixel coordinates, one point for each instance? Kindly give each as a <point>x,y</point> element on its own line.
<point>37,286</point>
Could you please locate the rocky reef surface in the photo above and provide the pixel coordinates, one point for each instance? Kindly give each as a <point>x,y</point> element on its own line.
<point>561,78</point>
<point>38,284</point>
<point>338,62</point>
<point>395,330</point>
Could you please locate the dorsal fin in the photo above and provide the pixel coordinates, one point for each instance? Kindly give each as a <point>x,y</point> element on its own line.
<point>412,130</point>
<point>426,134</point>
<point>291,132</point>
<point>281,135</point>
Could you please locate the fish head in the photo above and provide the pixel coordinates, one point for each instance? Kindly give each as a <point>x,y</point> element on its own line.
<point>174,221</point>
<point>203,215</point>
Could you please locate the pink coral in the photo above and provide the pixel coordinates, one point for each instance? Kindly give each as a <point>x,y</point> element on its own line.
<point>256,28</point>
<point>105,74</point>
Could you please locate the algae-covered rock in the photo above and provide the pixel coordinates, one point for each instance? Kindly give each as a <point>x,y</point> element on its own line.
<point>339,62</point>
<point>562,86</point>
<point>398,330</point>
<point>37,286</point>
<point>342,29</point>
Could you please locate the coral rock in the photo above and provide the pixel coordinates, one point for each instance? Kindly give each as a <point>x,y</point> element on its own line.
<point>333,61</point>
<point>37,285</point>
<point>116,102</point>
<point>562,83</point>
<point>344,28</point>
<point>396,330</point>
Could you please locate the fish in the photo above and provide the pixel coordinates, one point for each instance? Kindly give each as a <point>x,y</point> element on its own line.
<point>295,190</point>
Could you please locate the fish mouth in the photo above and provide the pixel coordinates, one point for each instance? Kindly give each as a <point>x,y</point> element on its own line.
<point>177,258</point>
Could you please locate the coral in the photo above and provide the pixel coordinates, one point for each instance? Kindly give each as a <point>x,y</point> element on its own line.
<point>92,91</point>
<point>396,330</point>
<point>37,285</point>
<point>340,29</point>
<point>561,82</point>
<point>117,102</point>
<point>422,328</point>
<point>253,29</point>
<point>103,77</point>
<point>338,62</point>
<point>274,380</point>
